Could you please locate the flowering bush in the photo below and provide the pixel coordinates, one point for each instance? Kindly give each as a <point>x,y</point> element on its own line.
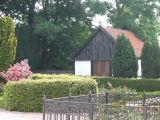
<point>122,90</point>
<point>17,72</point>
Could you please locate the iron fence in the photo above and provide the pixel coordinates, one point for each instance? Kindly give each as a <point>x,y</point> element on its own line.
<point>103,107</point>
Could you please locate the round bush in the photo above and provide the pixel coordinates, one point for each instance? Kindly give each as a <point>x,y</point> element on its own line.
<point>17,72</point>
<point>26,95</point>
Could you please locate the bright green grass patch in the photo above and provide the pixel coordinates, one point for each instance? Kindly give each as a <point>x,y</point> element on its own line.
<point>153,93</point>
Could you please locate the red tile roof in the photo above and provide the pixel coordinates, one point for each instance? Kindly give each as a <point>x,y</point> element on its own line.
<point>136,43</point>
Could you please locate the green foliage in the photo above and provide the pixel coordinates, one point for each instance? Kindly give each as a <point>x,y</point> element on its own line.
<point>96,7</point>
<point>45,28</point>
<point>118,90</point>
<point>121,90</point>
<point>139,16</point>
<point>70,39</point>
<point>1,101</point>
<point>8,43</point>
<point>1,87</point>
<point>52,31</point>
<point>151,60</point>
<point>61,29</point>
<point>124,61</point>
<point>138,84</point>
<point>22,10</point>
<point>27,95</point>
<point>153,93</point>
<point>1,79</point>
<point>28,46</point>
<point>39,76</point>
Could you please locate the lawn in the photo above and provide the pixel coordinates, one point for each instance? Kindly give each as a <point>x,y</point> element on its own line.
<point>153,93</point>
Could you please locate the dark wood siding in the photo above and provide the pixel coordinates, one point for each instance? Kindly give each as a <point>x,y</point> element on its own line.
<point>99,48</point>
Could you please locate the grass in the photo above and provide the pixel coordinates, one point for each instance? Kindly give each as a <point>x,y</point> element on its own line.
<point>1,100</point>
<point>153,93</point>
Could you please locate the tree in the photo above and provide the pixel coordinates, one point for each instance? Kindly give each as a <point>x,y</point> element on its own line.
<point>124,61</point>
<point>151,60</point>
<point>62,27</point>
<point>8,43</point>
<point>28,46</point>
<point>21,10</point>
<point>138,16</point>
<point>56,29</point>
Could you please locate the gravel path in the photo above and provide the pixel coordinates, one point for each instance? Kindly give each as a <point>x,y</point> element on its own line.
<point>10,115</point>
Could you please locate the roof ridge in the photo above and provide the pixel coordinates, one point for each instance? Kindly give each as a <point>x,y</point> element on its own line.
<point>119,29</point>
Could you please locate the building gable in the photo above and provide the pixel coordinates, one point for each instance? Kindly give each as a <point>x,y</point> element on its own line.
<point>98,47</point>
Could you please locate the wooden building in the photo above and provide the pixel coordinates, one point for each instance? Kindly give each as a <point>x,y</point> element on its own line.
<point>95,56</point>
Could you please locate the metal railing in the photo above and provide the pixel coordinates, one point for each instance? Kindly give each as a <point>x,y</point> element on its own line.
<point>103,107</point>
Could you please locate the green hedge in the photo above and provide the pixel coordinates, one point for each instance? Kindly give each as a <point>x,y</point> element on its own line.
<point>139,84</point>
<point>1,87</point>
<point>39,76</point>
<point>27,95</point>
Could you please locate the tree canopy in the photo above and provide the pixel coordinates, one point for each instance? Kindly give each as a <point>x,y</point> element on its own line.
<point>139,16</point>
<point>56,29</point>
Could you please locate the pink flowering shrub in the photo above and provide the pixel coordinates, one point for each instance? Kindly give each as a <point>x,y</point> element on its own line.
<point>17,72</point>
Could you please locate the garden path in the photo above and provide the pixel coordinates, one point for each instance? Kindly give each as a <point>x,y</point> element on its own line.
<point>12,115</point>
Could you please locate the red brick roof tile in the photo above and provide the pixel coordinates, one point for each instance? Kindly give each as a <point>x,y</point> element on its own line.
<point>136,43</point>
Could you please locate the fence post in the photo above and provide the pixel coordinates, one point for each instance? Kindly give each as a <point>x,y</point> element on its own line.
<point>145,112</point>
<point>107,95</point>
<point>69,99</point>
<point>90,97</point>
<point>144,98</point>
<point>91,103</point>
<point>44,107</point>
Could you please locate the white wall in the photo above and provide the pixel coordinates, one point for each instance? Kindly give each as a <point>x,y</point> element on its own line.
<point>139,72</point>
<point>82,67</point>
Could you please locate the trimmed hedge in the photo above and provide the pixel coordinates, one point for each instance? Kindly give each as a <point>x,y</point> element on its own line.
<point>140,85</point>
<point>26,95</point>
<point>39,76</point>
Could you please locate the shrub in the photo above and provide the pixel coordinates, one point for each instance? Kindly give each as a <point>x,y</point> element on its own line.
<point>18,71</point>
<point>26,95</point>
<point>1,101</point>
<point>151,60</point>
<point>124,61</point>
<point>38,76</point>
<point>8,43</point>
<point>139,85</point>
<point>122,90</point>
<point>1,87</point>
